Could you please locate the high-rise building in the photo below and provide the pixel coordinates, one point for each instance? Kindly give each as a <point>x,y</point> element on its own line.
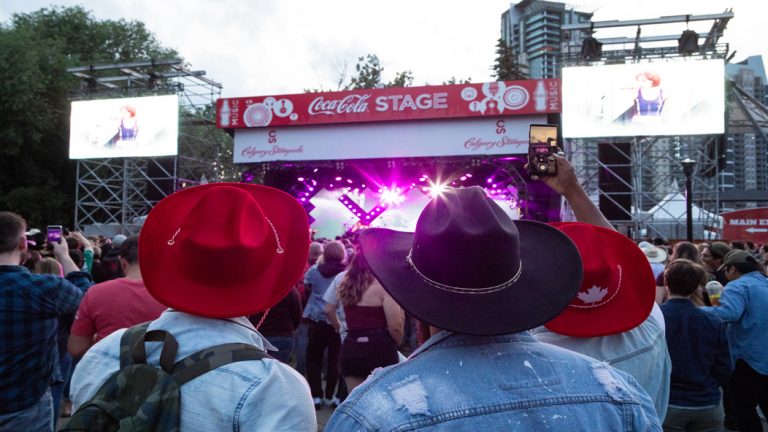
<point>533,30</point>
<point>747,147</point>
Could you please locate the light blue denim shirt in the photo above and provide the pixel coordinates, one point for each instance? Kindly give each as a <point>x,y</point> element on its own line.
<point>257,395</point>
<point>641,352</point>
<point>457,382</point>
<point>744,307</point>
<point>315,308</point>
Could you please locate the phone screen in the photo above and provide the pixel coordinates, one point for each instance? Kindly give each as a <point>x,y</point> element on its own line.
<point>543,134</point>
<point>54,233</point>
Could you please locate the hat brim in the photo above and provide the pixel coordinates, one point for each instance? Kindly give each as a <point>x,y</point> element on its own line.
<point>550,277</point>
<point>161,267</point>
<point>632,304</point>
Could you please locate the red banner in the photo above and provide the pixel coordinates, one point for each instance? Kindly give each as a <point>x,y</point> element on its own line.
<point>746,225</point>
<point>504,98</point>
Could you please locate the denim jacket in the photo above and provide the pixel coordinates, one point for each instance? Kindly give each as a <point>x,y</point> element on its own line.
<point>457,382</point>
<point>256,395</point>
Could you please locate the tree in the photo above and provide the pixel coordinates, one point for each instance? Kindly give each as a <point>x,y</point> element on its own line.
<point>454,80</point>
<point>368,75</point>
<point>36,178</point>
<point>506,66</point>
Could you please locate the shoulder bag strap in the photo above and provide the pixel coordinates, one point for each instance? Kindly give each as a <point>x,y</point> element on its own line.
<point>210,358</point>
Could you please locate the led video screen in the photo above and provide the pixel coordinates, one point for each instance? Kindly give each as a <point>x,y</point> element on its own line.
<point>130,127</point>
<point>644,99</point>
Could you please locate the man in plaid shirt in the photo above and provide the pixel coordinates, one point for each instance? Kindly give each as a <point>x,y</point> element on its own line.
<point>30,306</point>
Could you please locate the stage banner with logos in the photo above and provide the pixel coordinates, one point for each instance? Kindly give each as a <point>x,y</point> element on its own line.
<point>494,99</point>
<point>426,138</point>
<point>746,225</point>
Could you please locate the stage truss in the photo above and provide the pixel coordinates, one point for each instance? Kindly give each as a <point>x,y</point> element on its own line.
<point>655,184</point>
<point>114,195</point>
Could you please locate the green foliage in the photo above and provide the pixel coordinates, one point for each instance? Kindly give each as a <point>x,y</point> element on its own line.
<point>36,178</point>
<point>453,81</point>
<point>368,75</point>
<point>506,67</point>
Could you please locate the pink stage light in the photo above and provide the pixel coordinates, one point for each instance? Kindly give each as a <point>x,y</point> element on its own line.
<point>301,179</point>
<point>338,179</point>
<point>391,196</point>
<point>436,189</point>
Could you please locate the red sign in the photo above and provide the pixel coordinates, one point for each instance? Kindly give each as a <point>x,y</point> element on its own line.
<point>392,104</point>
<point>746,225</point>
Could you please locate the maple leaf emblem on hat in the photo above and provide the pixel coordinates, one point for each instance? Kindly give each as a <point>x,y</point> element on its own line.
<point>593,295</point>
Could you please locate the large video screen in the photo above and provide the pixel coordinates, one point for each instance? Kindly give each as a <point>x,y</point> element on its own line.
<point>644,99</point>
<point>130,127</point>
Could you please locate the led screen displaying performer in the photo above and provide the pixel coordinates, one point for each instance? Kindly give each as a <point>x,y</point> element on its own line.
<point>684,97</point>
<point>131,127</point>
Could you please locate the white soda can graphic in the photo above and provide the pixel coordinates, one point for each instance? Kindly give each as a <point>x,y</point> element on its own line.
<point>224,114</point>
<point>540,96</point>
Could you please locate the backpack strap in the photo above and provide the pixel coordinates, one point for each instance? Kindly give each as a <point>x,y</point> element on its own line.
<point>133,351</point>
<point>210,358</point>
<point>128,340</point>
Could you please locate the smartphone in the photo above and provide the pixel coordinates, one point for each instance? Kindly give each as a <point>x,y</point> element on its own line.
<point>53,233</point>
<point>542,147</point>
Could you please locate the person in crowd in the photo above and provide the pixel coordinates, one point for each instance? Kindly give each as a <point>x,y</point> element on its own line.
<point>481,280</point>
<point>31,306</point>
<point>655,255</point>
<point>686,250</point>
<point>212,276</point>
<point>698,346</point>
<point>738,245</point>
<point>614,318</point>
<point>302,333</point>
<point>114,304</point>
<point>110,267</point>
<point>323,341</point>
<point>712,259</point>
<point>278,324</point>
<point>743,306</point>
<point>374,323</point>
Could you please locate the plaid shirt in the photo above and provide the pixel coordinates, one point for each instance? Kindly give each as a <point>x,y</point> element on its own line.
<point>30,305</point>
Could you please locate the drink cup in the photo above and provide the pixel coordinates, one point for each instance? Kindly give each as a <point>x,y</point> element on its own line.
<point>714,290</point>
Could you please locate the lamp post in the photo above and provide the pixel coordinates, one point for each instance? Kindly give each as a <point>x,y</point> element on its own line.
<point>688,165</point>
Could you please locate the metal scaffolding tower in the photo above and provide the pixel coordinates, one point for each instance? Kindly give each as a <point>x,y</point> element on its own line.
<point>644,180</point>
<point>113,195</point>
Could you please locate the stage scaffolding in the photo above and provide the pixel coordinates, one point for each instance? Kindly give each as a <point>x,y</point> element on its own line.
<point>114,195</point>
<point>644,183</point>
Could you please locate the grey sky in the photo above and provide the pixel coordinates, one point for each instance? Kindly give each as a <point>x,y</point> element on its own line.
<point>261,47</point>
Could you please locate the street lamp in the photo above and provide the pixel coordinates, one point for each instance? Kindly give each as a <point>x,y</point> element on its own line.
<point>688,165</point>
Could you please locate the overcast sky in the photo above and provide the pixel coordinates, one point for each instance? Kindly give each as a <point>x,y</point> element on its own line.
<point>263,47</point>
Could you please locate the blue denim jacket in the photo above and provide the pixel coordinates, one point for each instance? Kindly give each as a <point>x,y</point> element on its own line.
<point>457,382</point>
<point>258,395</point>
<point>743,306</point>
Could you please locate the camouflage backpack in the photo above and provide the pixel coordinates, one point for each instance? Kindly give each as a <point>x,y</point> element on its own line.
<point>141,397</point>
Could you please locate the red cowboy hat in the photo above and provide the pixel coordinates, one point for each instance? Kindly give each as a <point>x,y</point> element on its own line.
<point>618,289</point>
<point>224,250</point>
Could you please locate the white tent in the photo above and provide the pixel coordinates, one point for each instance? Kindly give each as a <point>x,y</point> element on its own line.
<point>673,208</point>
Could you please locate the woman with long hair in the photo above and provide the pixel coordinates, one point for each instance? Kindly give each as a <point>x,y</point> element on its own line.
<point>374,323</point>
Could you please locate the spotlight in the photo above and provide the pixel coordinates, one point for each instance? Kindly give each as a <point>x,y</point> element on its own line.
<point>688,43</point>
<point>391,196</point>
<point>436,190</point>
<point>591,49</point>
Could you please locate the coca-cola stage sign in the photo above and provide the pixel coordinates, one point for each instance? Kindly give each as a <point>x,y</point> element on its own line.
<point>427,138</point>
<point>493,99</point>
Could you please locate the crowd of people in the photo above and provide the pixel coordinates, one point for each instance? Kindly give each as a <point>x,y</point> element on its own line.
<point>471,322</point>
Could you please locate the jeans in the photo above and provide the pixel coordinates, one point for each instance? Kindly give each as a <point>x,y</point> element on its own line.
<point>748,390</point>
<point>694,420</point>
<point>285,346</point>
<point>301,347</point>
<point>37,418</point>
<point>322,336</point>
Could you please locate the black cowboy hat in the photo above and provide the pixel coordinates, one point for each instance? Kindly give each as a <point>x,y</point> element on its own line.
<point>469,268</point>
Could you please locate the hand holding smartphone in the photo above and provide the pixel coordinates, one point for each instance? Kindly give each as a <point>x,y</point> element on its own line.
<point>53,234</point>
<point>542,147</point>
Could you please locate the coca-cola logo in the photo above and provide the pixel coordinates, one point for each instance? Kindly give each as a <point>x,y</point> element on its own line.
<point>346,105</point>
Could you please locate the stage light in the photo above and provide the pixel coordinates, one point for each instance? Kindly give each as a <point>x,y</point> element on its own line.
<point>688,43</point>
<point>489,180</point>
<point>301,179</point>
<point>463,178</point>
<point>436,190</point>
<point>338,179</point>
<point>391,196</point>
<point>591,49</point>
